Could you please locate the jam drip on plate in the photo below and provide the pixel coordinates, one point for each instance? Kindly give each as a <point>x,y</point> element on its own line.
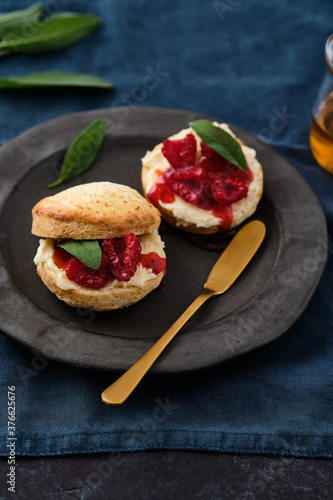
<point>204,179</point>
<point>120,258</point>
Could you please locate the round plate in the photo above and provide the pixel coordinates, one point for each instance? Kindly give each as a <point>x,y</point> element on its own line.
<point>264,302</point>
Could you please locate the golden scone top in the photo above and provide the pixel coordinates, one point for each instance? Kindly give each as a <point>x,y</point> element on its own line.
<point>96,210</point>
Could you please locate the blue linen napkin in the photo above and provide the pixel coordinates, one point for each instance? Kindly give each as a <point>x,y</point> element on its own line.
<point>247,63</point>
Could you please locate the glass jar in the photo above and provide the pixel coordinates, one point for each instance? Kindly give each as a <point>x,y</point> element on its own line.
<point>321,133</point>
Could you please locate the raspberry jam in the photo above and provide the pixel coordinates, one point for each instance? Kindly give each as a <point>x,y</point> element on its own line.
<point>61,258</point>
<point>204,179</point>
<point>161,192</point>
<point>154,262</point>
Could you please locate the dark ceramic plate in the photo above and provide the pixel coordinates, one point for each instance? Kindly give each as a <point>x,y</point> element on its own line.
<point>263,303</point>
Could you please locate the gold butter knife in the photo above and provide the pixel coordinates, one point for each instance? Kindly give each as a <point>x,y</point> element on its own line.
<point>228,267</point>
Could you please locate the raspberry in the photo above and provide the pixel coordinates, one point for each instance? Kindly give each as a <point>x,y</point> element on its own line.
<point>211,161</point>
<point>227,190</point>
<point>209,153</point>
<point>82,275</point>
<point>228,183</point>
<point>123,256</point>
<point>190,183</point>
<point>180,153</point>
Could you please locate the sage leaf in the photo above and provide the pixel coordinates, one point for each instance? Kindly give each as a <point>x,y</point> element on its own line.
<point>53,79</point>
<point>222,142</point>
<point>20,18</point>
<point>87,251</point>
<point>54,33</point>
<point>82,152</point>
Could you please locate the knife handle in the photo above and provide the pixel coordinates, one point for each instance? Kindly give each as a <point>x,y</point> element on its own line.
<point>119,391</point>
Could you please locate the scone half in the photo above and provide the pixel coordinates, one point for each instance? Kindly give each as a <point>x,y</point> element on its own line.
<point>189,217</point>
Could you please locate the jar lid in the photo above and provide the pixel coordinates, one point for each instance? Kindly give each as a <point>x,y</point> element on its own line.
<point>329,53</point>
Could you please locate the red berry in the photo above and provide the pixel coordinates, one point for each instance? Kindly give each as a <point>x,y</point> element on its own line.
<point>123,256</point>
<point>181,152</point>
<point>227,190</point>
<point>228,183</point>
<point>211,161</point>
<point>82,275</point>
<point>210,153</point>
<point>190,183</point>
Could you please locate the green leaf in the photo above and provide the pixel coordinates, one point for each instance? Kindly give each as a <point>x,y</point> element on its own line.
<point>54,33</point>
<point>82,152</point>
<point>20,18</point>
<point>87,251</point>
<point>53,79</point>
<point>222,142</point>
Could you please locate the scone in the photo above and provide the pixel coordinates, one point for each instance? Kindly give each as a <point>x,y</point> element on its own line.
<point>117,226</point>
<point>195,188</point>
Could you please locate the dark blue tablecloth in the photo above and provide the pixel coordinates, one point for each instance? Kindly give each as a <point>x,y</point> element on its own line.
<point>245,62</point>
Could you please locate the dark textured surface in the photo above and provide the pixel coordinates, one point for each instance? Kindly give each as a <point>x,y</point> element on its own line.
<point>257,65</point>
<point>159,475</point>
<point>295,224</point>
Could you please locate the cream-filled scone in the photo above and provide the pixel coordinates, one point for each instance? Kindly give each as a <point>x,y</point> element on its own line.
<point>100,249</point>
<point>198,190</point>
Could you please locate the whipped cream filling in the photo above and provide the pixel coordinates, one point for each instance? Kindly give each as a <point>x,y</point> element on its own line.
<point>156,163</point>
<point>149,243</point>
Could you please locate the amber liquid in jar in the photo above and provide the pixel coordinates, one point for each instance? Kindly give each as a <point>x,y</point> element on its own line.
<point>321,134</point>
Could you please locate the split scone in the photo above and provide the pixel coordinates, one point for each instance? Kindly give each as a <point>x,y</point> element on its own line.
<point>101,249</point>
<point>198,190</point>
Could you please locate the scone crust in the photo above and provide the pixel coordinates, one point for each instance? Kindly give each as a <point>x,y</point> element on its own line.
<point>94,211</point>
<point>97,300</point>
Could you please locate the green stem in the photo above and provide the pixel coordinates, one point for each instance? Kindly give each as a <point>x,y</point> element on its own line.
<point>56,183</point>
